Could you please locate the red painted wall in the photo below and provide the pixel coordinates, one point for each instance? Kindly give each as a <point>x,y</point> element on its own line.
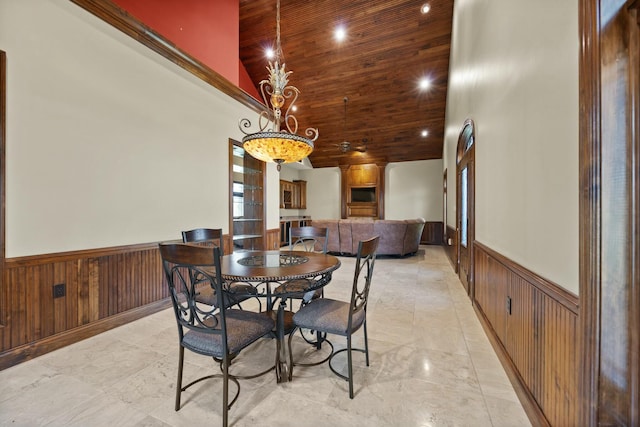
<point>246,84</point>
<point>206,30</point>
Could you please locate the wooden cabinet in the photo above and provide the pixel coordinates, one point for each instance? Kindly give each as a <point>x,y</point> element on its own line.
<point>301,194</point>
<point>293,195</point>
<point>363,175</point>
<point>362,191</point>
<point>286,194</point>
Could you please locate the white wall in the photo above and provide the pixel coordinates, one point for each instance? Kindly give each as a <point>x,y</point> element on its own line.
<point>414,190</point>
<point>107,142</point>
<point>323,192</point>
<point>514,71</point>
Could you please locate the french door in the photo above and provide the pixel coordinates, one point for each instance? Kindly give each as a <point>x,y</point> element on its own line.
<point>465,206</point>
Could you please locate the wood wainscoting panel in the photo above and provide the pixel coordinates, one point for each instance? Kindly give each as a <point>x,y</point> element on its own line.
<point>432,233</point>
<point>558,362</point>
<point>103,288</point>
<point>273,239</point>
<point>533,325</point>
<point>452,249</point>
<point>491,295</point>
<point>519,335</point>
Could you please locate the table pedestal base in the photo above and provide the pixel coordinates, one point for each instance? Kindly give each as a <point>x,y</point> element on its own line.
<point>284,326</point>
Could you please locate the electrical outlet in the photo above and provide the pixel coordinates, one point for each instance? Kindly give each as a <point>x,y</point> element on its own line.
<point>59,290</point>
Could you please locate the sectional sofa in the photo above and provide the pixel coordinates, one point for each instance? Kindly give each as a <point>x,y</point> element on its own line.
<point>397,237</point>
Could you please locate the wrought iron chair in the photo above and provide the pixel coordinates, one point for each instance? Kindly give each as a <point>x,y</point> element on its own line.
<point>238,291</point>
<point>218,331</point>
<point>344,318</point>
<point>307,239</point>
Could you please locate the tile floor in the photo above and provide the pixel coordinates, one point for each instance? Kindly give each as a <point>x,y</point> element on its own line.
<point>431,365</point>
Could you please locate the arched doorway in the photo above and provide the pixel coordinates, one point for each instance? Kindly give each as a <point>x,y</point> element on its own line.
<point>465,204</point>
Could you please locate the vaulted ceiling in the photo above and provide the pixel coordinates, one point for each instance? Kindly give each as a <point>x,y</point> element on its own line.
<point>390,45</point>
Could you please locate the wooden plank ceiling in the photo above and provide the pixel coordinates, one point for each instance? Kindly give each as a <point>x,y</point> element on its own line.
<point>389,47</point>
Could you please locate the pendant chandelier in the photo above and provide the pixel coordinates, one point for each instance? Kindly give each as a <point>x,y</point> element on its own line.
<point>277,145</point>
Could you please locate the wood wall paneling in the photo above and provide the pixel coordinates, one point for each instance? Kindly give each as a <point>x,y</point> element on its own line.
<point>273,239</point>
<point>534,326</point>
<point>452,249</point>
<point>101,286</point>
<point>432,233</point>
<point>557,361</point>
<point>519,334</point>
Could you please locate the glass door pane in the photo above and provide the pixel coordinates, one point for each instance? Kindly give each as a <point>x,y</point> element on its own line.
<point>463,207</point>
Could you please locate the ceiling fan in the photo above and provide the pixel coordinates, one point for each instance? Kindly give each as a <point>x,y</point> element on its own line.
<point>346,146</point>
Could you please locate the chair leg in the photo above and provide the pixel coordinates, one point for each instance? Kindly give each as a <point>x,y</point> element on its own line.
<point>179,385</point>
<point>225,391</point>
<point>290,360</point>
<point>366,342</point>
<point>350,366</point>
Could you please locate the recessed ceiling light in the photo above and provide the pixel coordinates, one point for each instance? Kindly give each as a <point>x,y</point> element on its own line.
<point>294,108</point>
<point>424,133</point>
<point>269,53</point>
<point>424,83</point>
<point>425,8</point>
<point>340,34</point>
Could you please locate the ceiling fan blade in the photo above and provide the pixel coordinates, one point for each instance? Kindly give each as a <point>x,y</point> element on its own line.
<point>361,148</point>
<point>344,146</point>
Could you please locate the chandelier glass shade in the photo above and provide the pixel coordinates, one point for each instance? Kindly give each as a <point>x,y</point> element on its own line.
<point>280,143</point>
<point>278,147</point>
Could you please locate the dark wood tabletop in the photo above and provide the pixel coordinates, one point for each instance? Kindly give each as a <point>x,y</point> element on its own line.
<point>276,266</point>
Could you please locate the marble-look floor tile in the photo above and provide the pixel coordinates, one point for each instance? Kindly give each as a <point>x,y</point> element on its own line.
<point>506,413</point>
<point>52,398</point>
<point>23,378</point>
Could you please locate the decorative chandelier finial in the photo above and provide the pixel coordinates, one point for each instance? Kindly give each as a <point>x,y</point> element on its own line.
<point>276,145</point>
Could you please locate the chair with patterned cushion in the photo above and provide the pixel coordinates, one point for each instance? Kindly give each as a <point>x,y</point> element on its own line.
<point>238,291</point>
<point>344,318</point>
<point>307,239</point>
<point>216,330</point>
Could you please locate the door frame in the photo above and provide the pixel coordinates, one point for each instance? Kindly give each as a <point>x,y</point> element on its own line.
<point>263,182</point>
<point>597,48</point>
<point>465,157</point>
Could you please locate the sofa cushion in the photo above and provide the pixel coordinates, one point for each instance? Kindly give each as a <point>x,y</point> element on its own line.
<point>361,229</point>
<point>392,236</point>
<point>344,231</point>
<point>333,242</point>
<point>412,235</point>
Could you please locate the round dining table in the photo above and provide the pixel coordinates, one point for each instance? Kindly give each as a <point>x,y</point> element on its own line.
<point>292,273</point>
